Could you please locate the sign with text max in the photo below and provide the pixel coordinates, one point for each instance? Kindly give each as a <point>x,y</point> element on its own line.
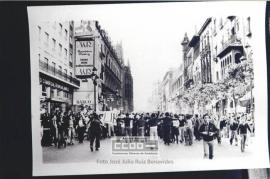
<point>84,57</point>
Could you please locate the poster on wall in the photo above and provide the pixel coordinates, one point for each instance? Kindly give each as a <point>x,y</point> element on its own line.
<point>84,57</point>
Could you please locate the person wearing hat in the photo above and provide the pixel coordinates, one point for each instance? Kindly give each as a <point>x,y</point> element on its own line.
<point>208,131</point>
<point>95,131</point>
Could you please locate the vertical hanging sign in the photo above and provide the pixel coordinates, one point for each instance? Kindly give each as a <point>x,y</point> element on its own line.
<point>84,57</point>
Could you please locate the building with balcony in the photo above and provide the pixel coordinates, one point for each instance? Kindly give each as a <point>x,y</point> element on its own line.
<point>205,34</point>
<point>53,46</point>
<point>232,43</point>
<point>110,69</point>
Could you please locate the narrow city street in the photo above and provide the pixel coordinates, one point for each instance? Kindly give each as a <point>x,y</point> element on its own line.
<point>81,152</point>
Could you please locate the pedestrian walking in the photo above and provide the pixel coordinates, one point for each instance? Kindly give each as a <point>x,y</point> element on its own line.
<point>188,131</point>
<point>208,130</point>
<point>216,121</point>
<point>233,128</point>
<point>61,130</point>
<point>128,129</point>
<point>54,129</point>
<point>167,123</point>
<point>141,126</point>
<point>175,128</point>
<point>182,121</point>
<point>153,122</point>
<point>147,127</point>
<point>135,125</point>
<point>71,131</point>
<point>81,128</point>
<point>196,127</point>
<point>95,131</point>
<point>46,124</point>
<point>222,127</point>
<point>242,130</point>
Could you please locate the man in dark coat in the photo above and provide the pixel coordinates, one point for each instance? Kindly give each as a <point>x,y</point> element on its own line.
<point>242,130</point>
<point>208,131</point>
<point>46,123</point>
<point>196,127</point>
<point>95,131</point>
<point>167,124</point>
<point>233,127</point>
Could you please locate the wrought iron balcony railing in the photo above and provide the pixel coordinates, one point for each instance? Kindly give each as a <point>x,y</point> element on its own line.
<point>58,73</point>
<point>231,42</point>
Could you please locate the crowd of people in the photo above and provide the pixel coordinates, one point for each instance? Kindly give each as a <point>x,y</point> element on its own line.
<point>63,128</point>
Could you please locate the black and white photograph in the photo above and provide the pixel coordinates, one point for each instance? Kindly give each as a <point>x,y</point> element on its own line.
<point>148,87</point>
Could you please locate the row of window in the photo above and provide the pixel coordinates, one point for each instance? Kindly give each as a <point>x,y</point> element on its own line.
<point>54,92</point>
<point>178,84</point>
<point>53,43</point>
<point>226,61</point>
<point>113,67</point>
<point>53,65</point>
<point>59,27</point>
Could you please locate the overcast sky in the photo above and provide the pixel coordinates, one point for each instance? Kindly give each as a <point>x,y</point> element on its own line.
<point>151,34</point>
<point>151,39</point>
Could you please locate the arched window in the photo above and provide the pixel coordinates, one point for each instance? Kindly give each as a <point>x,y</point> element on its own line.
<point>230,57</point>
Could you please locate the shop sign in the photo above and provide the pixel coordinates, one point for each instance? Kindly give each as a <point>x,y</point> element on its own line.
<point>83,98</point>
<point>84,57</point>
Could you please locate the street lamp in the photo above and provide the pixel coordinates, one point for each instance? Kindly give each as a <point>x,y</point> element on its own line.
<point>94,78</point>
